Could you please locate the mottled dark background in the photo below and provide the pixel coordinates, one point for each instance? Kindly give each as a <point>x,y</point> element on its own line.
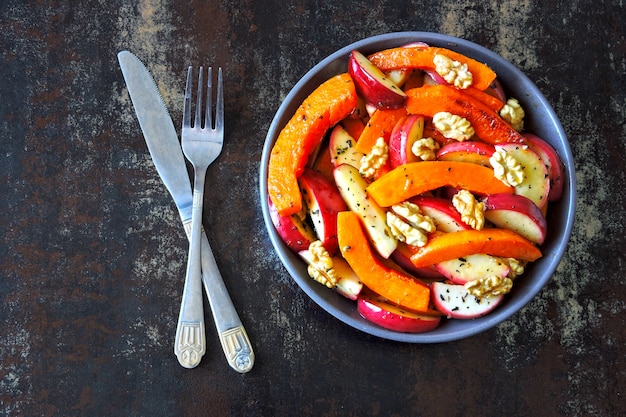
<point>92,257</point>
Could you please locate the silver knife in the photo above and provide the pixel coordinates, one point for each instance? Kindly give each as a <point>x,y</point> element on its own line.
<point>162,140</point>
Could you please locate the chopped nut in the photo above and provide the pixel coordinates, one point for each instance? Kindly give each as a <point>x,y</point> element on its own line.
<point>489,287</point>
<point>321,266</point>
<point>425,148</point>
<point>405,232</point>
<point>516,267</point>
<point>472,212</point>
<point>409,225</point>
<point>375,159</point>
<point>452,71</point>
<point>506,168</point>
<point>513,113</point>
<point>412,213</point>
<point>452,126</point>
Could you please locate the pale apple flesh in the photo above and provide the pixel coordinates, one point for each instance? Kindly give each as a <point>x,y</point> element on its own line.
<point>352,187</point>
<point>342,148</point>
<point>472,267</point>
<point>553,162</point>
<point>371,83</point>
<point>455,302</point>
<point>536,182</point>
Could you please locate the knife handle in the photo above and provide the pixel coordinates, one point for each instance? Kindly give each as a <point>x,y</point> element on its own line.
<point>233,337</point>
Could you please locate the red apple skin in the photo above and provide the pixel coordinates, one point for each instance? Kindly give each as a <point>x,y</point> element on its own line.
<point>402,256</point>
<point>496,90</point>
<point>296,233</point>
<point>323,202</point>
<point>553,162</point>
<point>371,83</point>
<point>442,212</point>
<point>516,213</point>
<point>454,301</point>
<point>393,318</point>
<point>404,134</point>
<point>469,151</point>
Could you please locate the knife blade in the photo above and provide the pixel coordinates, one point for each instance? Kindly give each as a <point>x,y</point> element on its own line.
<point>164,147</point>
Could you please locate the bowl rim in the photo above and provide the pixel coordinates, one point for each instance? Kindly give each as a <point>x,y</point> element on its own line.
<point>530,96</point>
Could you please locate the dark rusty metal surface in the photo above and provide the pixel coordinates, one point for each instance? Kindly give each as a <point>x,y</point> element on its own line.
<point>92,256</point>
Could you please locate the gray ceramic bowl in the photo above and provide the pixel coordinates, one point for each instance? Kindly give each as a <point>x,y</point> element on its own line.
<point>540,119</point>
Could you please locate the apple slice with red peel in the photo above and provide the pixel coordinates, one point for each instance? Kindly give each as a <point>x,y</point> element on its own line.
<point>536,182</point>
<point>323,201</point>
<point>394,318</point>
<point>348,283</point>
<point>455,302</point>
<point>472,267</point>
<point>342,148</point>
<point>516,213</point>
<point>294,231</point>
<point>553,162</point>
<point>446,217</point>
<point>404,134</point>
<point>375,87</point>
<point>468,151</point>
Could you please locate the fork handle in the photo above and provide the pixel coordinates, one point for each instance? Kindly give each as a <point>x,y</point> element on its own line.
<point>233,337</point>
<point>190,342</point>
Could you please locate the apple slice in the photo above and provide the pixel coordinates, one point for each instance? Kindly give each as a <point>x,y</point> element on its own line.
<point>342,148</point>
<point>553,163</point>
<point>468,151</point>
<point>295,232</point>
<point>404,134</point>
<point>394,318</point>
<point>536,182</point>
<point>323,201</point>
<point>472,267</point>
<point>348,283</point>
<point>516,213</point>
<point>455,302</point>
<point>352,188</point>
<point>446,217</point>
<point>375,87</point>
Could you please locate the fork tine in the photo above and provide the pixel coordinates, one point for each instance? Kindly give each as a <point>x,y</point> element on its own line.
<point>219,107</point>
<point>208,115</point>
<point>187,102</point>
<point>198,121</point>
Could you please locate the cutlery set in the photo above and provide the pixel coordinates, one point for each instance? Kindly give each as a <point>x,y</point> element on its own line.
<point>201,144</point>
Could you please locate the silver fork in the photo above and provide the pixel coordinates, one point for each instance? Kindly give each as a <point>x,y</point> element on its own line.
<point>202,145</point>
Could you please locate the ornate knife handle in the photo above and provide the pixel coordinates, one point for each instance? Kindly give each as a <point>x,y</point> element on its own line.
<point>233,337</point>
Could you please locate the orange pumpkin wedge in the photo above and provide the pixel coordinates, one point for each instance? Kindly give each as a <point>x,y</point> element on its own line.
<point>379,125</point>
<point>415,178</point>
<point>328,104</point>
<point>492,241</point>
<point>399,288</point>
<point>489,126</point>
<point>423,58</point>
